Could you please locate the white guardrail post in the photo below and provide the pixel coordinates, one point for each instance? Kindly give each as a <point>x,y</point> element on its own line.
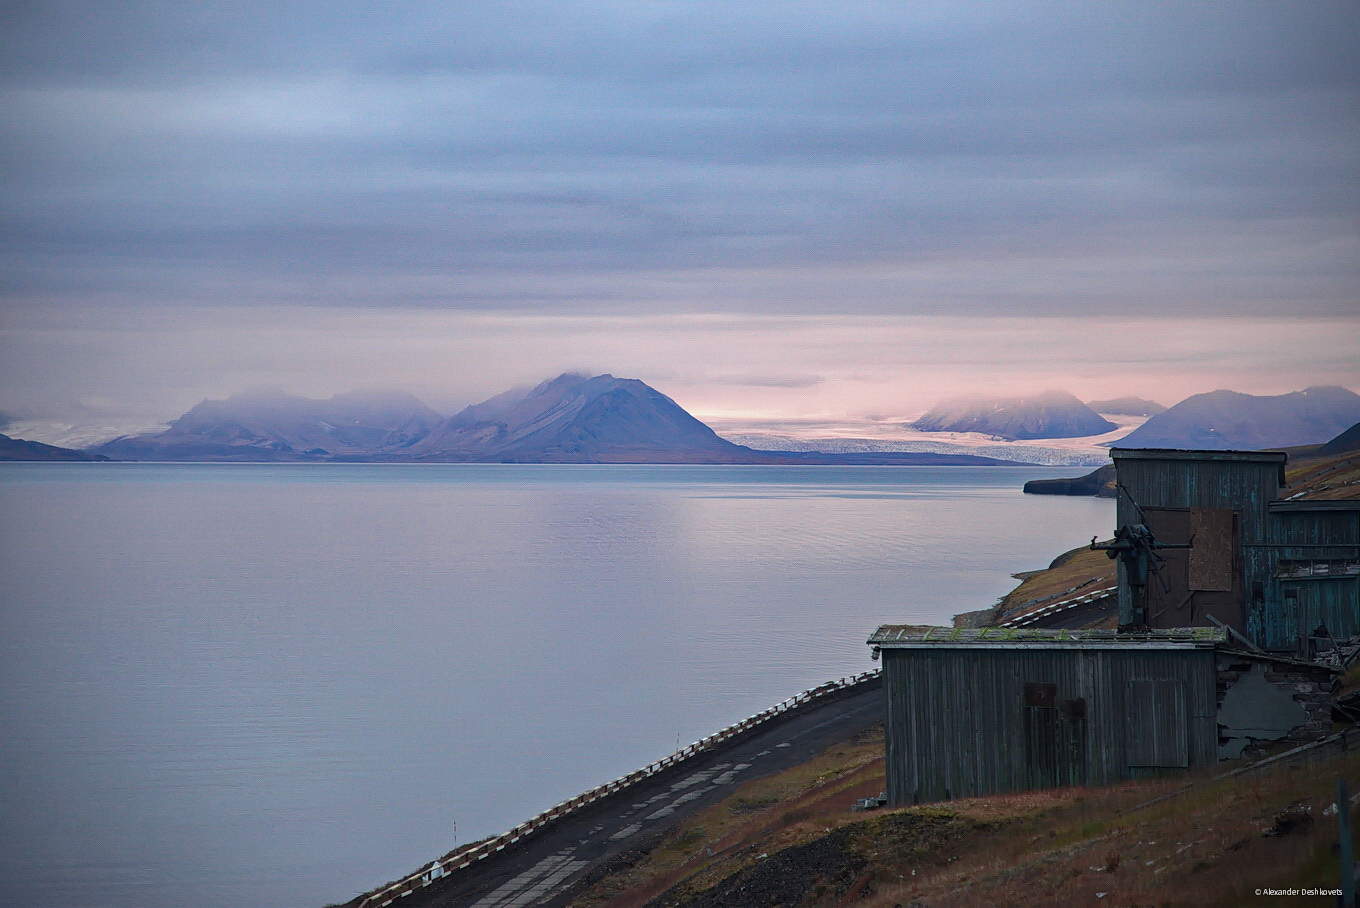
<point>437,870</point>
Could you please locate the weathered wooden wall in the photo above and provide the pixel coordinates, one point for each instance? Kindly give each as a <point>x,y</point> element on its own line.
<point>1212,481</point>
<point>1189,495</point>
<point>961,721</point>
<point>1287,609</point>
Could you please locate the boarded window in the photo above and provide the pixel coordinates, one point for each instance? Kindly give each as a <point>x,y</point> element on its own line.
<point>1211,555</point>
<point>1044,696</point>
<point>1055,737</point>
<point>1158,731</point>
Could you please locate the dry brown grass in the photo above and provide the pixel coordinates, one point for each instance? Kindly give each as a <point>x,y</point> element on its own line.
<point>761,816</point>
<point>1080,568</point>
<point>1204,847</point>
<point>1198,846</point>
<point>1335,477</point>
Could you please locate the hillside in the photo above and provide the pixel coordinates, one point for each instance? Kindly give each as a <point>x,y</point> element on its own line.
<point>1069,576</point>
<point>17,449</point>
<point>1347,442</point>
<point>1228,420</point>
<point>789,839</point>
<point>1053,414</point>
<point>1324,478</point>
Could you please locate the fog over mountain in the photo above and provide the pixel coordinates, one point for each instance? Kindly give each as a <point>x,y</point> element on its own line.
<point>1127,406</point>
<point>573,418</point>
<point>271,425</point>
<point>1229,420</point>
<point>1052,414</point>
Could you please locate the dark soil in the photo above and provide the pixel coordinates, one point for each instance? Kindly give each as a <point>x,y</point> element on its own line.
<point>828,867</point>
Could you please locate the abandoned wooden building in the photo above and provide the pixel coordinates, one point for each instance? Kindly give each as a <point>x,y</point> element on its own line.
<point>972,711</point>
<point>1285,573</point>
<point>1230,599</point>
<point>976,711</point>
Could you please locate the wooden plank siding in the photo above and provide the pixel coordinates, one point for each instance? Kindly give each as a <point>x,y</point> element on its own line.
<point>1236,483</point>
<point>1291,608</point>
<point>958,723</point>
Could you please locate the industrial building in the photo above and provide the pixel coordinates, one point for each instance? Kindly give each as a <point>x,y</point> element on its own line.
<point>1233,600</point>
<point>1283,572</point>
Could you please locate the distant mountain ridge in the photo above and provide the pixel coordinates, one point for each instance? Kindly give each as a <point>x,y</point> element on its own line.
<point>1052,414</point>
<point>17,449</point>
<point>1127,406</point>
<point>273,426</point>
<point>1230,420</point>
<point>572,418</point>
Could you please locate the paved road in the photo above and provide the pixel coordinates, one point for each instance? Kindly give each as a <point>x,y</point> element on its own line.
<point>548,869</point>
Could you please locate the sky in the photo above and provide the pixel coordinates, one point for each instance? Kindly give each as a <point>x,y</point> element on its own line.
<point>770,211</point>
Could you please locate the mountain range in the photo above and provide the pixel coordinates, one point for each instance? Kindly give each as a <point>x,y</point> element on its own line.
<point>271,425</point>
<point>569,419</point>
<point>576,418</point>
<point>1232,421</point>
<point>1052,414</point>
<point>1127,406</point>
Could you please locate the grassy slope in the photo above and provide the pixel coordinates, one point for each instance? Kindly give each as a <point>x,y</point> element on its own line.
<point>790,840</point>
<point>1329,477</point>
<point>1071,574</point>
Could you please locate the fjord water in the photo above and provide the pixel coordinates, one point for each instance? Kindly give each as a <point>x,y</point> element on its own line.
<point>270,685</point>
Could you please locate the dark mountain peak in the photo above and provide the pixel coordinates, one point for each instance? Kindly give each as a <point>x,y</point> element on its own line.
<point>1230,420</point>
<point>574,417</point>
<point>1328,392</point>
<point>1344,443</point>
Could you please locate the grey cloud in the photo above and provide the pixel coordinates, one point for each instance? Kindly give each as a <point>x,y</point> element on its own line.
<point>759,157</point>
<point>768,381</point>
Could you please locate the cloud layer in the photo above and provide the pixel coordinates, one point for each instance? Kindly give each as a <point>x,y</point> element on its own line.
<point>647,160</point>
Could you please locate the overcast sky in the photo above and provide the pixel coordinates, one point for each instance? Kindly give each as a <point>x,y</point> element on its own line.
<point>765,209</point>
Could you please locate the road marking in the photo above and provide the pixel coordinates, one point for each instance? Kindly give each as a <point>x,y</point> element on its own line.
<point>533,884</point>
<point>544,880</point>
<point>693,780</point>
<point>731,774</point>
<point>626,831</point>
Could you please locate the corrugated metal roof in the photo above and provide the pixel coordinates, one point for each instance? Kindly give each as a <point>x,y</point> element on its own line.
<point>915,635</point>
<point>1279,458</point>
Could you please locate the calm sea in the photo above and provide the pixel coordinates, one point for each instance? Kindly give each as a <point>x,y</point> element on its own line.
<point>258,685</point>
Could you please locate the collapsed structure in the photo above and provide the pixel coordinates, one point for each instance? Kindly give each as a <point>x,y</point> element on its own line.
<point>1236,605</point>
